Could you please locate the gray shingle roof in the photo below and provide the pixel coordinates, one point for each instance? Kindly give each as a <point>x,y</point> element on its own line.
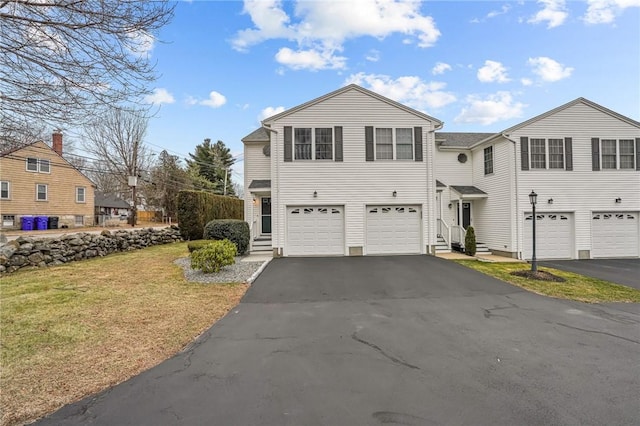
<point>467,190</point>
<point>102,200</point>
<point>260,183</point>
<point>258,135</point>
<point>440,184</point>
<point>460,139</point>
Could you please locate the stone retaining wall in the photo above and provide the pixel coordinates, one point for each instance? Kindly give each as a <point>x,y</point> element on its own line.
<point>41,252</point>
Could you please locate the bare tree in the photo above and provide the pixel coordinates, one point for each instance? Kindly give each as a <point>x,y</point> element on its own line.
<point>117,141</point>
<point>63,61</point>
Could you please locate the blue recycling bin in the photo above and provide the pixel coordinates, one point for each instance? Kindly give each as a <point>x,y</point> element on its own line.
<point>27,223</point>
<point>42,222</point>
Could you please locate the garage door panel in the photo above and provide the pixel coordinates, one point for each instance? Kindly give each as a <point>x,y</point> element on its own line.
<point>393,230</point>
<point>315,230</point>
<point>615,234</point>
<point>554,236</point>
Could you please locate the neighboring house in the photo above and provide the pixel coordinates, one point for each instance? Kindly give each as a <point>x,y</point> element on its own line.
<point>354,173</point>
<point>110,208</point>
<point>35,180</point>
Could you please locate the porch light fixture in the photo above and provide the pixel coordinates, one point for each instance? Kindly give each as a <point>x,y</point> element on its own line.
<point>450,205</point>
<point>533,199</point>
<point>395,193</point>
<point>315,194</point>
<point>550,201</point>
<point>618,200</point>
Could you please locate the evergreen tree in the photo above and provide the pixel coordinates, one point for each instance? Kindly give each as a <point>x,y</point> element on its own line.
<point>213,162</point>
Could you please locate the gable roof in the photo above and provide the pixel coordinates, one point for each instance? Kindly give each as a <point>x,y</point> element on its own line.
<point>344,90</point>
<point>570,104</point>
<point>258,135</point>
<point>111,201</point>
<point>16,148</point>
<point>460,139</point>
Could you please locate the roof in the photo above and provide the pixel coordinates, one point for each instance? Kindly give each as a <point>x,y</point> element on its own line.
<point>111,201</point>
<point>467,190</point>
<point>570,104</point>
<point>260,183</point>
<point>440,184</point>
<point>344,90</point>
<point>259,135</point>
<point>460,140</point>
<point>17,148</point>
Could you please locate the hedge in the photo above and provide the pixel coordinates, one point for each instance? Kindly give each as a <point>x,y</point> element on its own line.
<point>236,231</point>
<point>197,208</point>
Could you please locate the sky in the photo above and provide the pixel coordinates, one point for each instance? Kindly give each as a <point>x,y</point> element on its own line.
<point>478,66</point>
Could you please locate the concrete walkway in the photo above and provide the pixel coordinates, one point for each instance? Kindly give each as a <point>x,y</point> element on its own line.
<point>481,257</point>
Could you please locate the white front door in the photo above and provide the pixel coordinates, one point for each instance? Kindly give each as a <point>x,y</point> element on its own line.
<point>614,234</point>
<point>393,230</point>
<point>554,236</point>
<point>315,230</point>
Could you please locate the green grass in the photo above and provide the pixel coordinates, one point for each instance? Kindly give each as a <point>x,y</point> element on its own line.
<point>75,329</point>
<point>576,287</point>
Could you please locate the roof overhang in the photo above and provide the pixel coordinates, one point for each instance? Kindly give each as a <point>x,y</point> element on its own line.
<point>468,192</point>
<point>260,185</point>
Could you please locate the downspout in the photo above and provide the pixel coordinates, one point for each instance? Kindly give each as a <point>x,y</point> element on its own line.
<point>515,172</point>
<point>274,157</point>
<point>431,182</point>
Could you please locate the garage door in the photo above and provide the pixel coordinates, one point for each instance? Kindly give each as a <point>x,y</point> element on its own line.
<point>315,230</point>
<point>393,230</point>
<point>554,236</point>
<point>614,234</point>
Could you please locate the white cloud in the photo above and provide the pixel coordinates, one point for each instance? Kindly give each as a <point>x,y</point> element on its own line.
<point>493,72</point>
<point>373,56</point>
<point>140,43</point>
<point>554,13</point>
<point>215,100</point>
<point>495,107</point>
<point>408,90</point>
<point>270,112</point>
<point>159,96</point>
<point>548,69</point>
<point>526,81</point>
<point>440,68</point>
<point>310,59</point>
<point>606,11</point>
<point>505,8</point>
<point>321,28</point>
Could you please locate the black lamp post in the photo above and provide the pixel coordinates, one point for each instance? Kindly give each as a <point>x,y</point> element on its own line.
<point>533,199</point>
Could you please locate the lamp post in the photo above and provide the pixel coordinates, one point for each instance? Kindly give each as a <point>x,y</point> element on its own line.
<point>533,199</point>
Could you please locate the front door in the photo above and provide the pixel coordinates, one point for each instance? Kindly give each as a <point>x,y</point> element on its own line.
<point>466,215</point>
<point>266,215</point>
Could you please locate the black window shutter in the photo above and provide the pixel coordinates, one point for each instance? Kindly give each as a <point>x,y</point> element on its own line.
<point>338,138</point>
<point>568,154</point>
<point>417,135</point>
<point>368,140</point>
<point>637,153</point>
<point>524,153</point>
<point>288,138</point>
<point>595,154</point>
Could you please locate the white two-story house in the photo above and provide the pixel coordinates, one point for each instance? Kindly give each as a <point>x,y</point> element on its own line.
<point>354,173</point>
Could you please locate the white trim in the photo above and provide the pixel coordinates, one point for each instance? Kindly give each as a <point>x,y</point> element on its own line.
<point>8,197</point>
<point>46,192</point>
<point>84,194</point>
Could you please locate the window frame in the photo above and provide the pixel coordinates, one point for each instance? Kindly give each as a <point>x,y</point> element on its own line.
<point>34,161</point>
<point>488,162</point>
<point>552,163</point>
<point>618,155</point>
<point>537,164</point>
<point>46,192</point>
<point>409,131</point>
<point>376,143</point>
<point>296,144</point>
<point>78,222</point>
<point>45,161</point>
<point>84,194</point>
<point>8,191</point>
<point>394,143</point>
<point>5,219</point>
<point>315,144</point>
<point>549,162</point>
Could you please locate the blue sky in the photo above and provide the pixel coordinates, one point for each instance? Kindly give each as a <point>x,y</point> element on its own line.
<point>476,65</point>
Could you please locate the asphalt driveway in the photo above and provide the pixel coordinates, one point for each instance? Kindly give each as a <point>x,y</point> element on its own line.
<point>619,271</point>
<point>407,340</point>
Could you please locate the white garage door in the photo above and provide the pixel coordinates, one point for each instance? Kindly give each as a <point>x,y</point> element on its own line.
<point>315,230</point>
<point>393,230</point>
<point>614,234</point>
<point>554,236</point>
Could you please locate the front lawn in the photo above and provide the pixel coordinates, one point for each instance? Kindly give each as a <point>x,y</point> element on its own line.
<point>576,287</point>
<point>76,329</point>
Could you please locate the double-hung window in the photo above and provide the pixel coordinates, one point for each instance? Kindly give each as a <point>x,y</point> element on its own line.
<point>384,144</point>
<point>80,194</point>
<point>324,143</point>
<point>627,154</point>
<point>548,153</point>
<point>538,154</point>
<point>32,164</point>
<point>41,192</point>
<point>302,144</point>
<point>618,154</point>
<point>609,154</point>
<point>488,160</point>
<point>393,143</point>
<point>5,190</point>
<point>404,144</point>
<point>556,153</point>
<point>40,165</point>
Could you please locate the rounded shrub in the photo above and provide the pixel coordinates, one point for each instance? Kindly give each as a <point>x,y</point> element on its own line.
<point>197,244</point>
<point>214,256</point>
<point>470,242</point>
<point>236,231</point>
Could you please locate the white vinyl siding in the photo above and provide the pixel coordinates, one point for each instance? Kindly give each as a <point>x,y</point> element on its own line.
<point>5,190</point>
<point>581,191</point>
<point>384,144</point>
<point>258,167</point>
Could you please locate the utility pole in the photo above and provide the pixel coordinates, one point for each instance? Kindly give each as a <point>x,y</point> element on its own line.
<point>133,181</point>
<point>226,172</point>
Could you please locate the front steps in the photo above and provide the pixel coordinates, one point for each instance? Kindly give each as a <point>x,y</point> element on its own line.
<point>441,246</point>
<point>481,248</point>
<point>261,245</point>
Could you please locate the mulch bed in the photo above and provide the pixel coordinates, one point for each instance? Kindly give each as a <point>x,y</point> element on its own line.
<point>538,275</point>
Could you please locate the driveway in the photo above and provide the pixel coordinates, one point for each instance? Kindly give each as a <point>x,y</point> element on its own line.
<point>408,340</point>
<point>620,271</point>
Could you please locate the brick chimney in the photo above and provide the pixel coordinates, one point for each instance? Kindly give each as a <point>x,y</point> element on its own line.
<point>57,142</point>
